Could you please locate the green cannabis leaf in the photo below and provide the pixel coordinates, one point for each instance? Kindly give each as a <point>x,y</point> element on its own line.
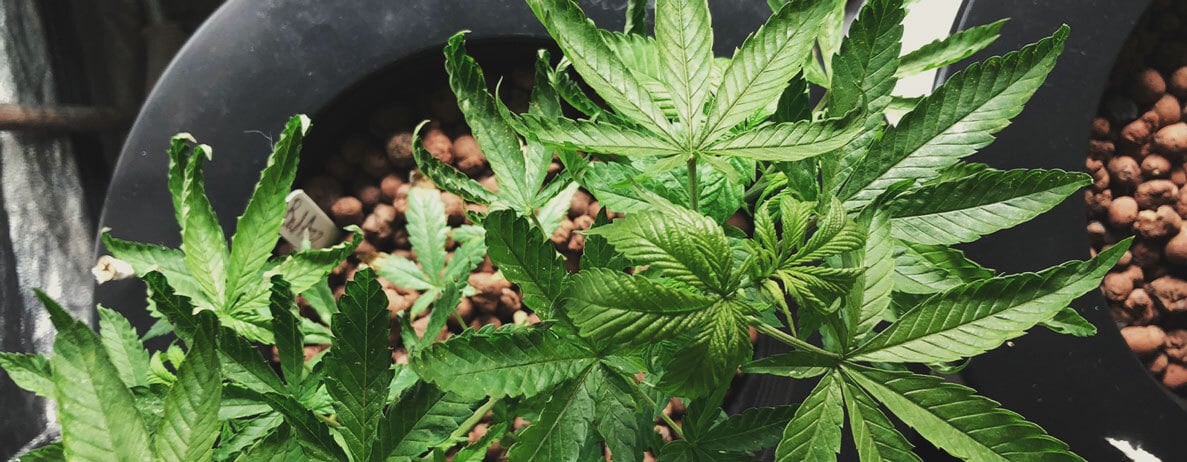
<point>741,207</point>
<point>428,233</point>
<point>232,282</point>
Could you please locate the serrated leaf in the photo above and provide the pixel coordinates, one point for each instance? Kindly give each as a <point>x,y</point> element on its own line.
<point>794,103</point>
<point>597,63</point>
<point>873,433</point>
<point>925,269</point>
<point>618,417</point>
<point>498,141</point>
<point>796,364</point>
<point>940,411</point>
<point>719,195</point>
<point>817,287</point>
<point>564,425</point>
<point>615,308</point>
<point>964,210</point>
<point>31,372</point>
<point>401,271</point>
<point>313,436</point>
<point>877,281</point>
<point>790,141</point>
<point>712,355</point>
<point>444,306</point>
<point>950,49</point>
<point>427,230</point>
<point>598,253</point>
<point>176,308</point>
<point>423,417</point>
<point>123,347</point>
<point>556,209</point>
<point>239,402</point>
<point>303,269</point>
<point>636,17</point>
<point>278,446</point>
<point>572,93</point>
<point>509,361</point>
<point>814,433</point>
<point>243,364</point>
<point>96,410</point>
<point>256,230</point>
<point>976,317</point>
<point>1068,321</point>
<point>240,360</point>
<point>955,121</point>
<point>445,176</point>
<point>190,424</point>
<point>594,137</point>
<point>321,300</point>
<point>526,257</point>
<point>249,433</point>
<point>835,233</point>
<point>179,153</point>
<point>682,244</point>
<point>685,37</point>
<point>146,258</point>
<point>358,367</point>
<point>290,344</point>
<point>202,239</point>
<point>767,60</point>
<point>864,68</point>
<point>754,429</point>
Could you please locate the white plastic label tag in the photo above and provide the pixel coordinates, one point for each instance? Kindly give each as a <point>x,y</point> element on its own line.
<point>303,219</point>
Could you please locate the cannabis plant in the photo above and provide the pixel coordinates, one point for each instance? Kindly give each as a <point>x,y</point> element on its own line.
<point>234,283</point>
<point>846,258</point>
<point>853,223</point>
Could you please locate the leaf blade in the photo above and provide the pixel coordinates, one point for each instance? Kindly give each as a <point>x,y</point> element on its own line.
<point>594,60</point>
<point>955,121</point>
<point>963,210</point>
<point>951,49</point>
<point>929,402</point>
<point>614,308</point>
<point>190,424</point>
<point>762,66</point>
<point>503,362</point>
<point>256,230</point>
<point>526,258</point>
<point>973,318</point>
<point>874,434</point>
<point>684,34</point>
<point>814,433</point>
<point>96,410</point>
<point>358,367</point>
<point>123,347</point>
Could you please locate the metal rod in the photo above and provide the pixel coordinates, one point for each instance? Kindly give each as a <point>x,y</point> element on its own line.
<point>62,118</point>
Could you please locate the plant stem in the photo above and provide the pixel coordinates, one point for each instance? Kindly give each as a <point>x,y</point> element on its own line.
<point>463,431</point>
<point>693,187</point>
<point>651,402</point>
<point>792,341</point>
<point>536,221</point>
<point>330,420</point>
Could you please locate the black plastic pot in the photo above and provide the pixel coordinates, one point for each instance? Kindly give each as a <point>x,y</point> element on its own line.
<point>255,63</point>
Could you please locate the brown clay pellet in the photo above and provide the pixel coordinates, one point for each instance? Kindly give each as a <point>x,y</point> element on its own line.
<point>1144,340</point>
